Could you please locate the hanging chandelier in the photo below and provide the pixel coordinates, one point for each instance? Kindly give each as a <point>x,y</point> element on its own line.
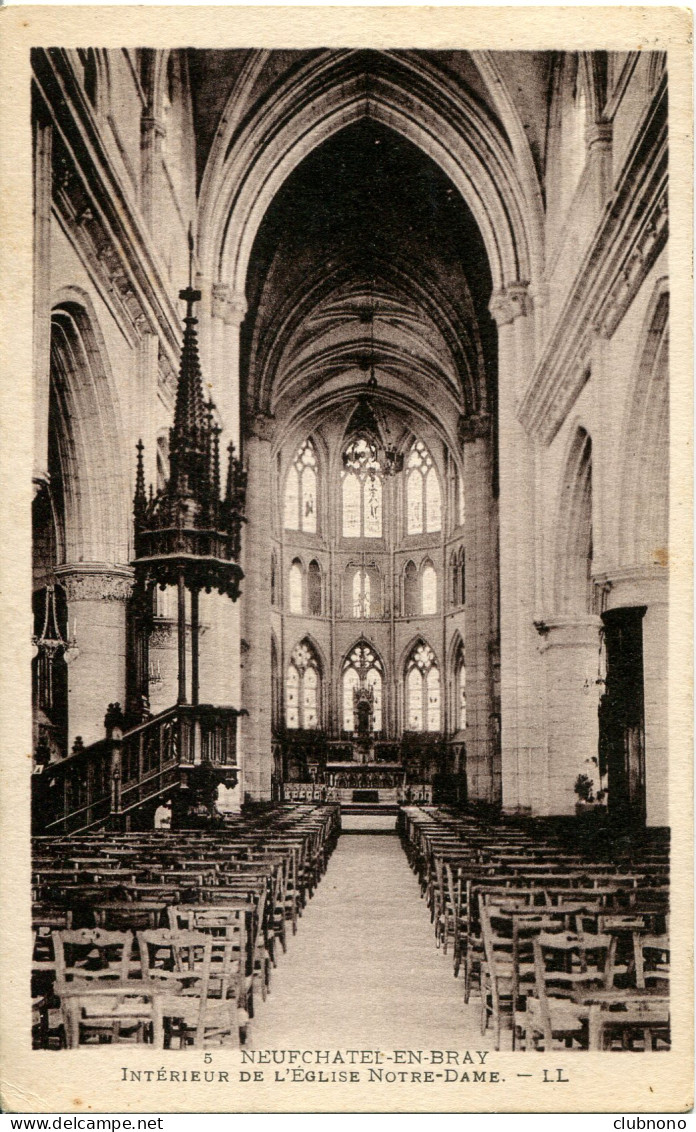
<point>390,460</point>
<point>50,640</point>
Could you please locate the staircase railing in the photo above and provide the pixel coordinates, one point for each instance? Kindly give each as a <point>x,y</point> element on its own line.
<point>99,784</point>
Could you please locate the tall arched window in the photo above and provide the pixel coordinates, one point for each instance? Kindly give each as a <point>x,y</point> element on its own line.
<point>422,690</point>
<point>361,490</point>
<point>429,589</point>
<point>410,590</point>
<point>423,498</point>
<point>361,593</point>
<point>314,589</point>
<point>362,679</point>
<point>302,689</point>
<point>460,688</point>
<point>296,587</point>
<point>301,491</point>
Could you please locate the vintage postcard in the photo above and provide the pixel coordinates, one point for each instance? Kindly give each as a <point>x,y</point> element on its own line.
<point>346,679</point>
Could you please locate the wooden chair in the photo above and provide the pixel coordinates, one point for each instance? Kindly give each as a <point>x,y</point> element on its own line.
<point>564,964</point>
<point>651,957</point>
<point>198,976</point>
<point>93,959</point>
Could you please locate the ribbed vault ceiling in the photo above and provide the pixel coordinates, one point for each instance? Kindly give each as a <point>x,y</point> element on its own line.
<point>368,259</point>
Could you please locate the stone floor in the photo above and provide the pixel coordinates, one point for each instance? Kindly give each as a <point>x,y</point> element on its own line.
<point>363,970</point>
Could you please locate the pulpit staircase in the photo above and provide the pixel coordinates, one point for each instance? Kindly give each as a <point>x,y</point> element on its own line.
<point>105,785</point>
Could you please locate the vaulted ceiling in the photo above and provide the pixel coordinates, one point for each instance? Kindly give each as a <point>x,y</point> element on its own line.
<point>368,263</point>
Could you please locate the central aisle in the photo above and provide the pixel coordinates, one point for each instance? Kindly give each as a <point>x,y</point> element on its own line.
<point>363,970</point>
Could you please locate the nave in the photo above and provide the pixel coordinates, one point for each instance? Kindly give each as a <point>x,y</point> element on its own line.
<point>366,974</point>
<point>555,938</point>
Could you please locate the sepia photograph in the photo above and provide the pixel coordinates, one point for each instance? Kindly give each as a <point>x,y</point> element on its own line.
<point>348,652</point>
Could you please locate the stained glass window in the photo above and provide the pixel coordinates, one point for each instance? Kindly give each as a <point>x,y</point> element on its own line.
<point>352,494</point>
<point>362,490</point>
<point>295,586</point>
<point>432,684</point>
<point>292,697</point>
<point>423,711</point>
<point>461,690</point>
<point>301,491</point>
<point>361,593</point>
<point>362,668</point>
<point>423,496</point>
<point>429,589</point>
<point>351,680</point>
<point>302,689</point>
<point>415,700</point>
<point>292,496</point>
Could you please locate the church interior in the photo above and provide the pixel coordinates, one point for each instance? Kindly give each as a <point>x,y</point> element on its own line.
<point>350,546</point>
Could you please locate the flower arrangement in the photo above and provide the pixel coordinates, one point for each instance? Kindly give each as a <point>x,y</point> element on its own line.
<point>585,787</point>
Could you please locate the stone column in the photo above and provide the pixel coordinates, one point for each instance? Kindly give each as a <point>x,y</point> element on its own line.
<point>480,589</point>
<point>221,320</point>
<point>97,596</point>
<point>598,140</point>
<point>43,195</point>
<point>144,405</point>
<point>570,647</point>
<point>152,131</point>
<point>523,741</point>
<point>256,683</point>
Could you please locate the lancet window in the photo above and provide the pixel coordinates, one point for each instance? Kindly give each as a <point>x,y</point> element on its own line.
<point>361,490</point>
<point>362,683</point>
<point>300,504</point>
<point>423,497</point>
<point>423,708</point>
<point>302,689</point>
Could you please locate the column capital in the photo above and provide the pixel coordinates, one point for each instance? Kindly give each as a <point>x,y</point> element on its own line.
<point>228,305</point>
<point>476,426</point>
<point>510,302</point>
<point>94,581</point>
<point>634,585</point>
<point>150,124</point>
<point>260,426</point>
<point>568,631</point>
<point>599,135</point>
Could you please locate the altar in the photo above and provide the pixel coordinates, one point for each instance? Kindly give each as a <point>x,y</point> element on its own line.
<point>362,776</point>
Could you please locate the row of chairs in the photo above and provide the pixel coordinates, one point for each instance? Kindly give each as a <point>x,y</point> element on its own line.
<point>498,895</point>
<point>248,882</point>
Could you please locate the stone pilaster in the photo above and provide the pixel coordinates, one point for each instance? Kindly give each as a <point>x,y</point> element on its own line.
<point>43,193</point>
<point>152,131</point>
<point>97,596</point>
<point>483,776</point>
<point>598,140</point>
<point>522,714</point>
<point>570,649</point>
<point>256,677</point>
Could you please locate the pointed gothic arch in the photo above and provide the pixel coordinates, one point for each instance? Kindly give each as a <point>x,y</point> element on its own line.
<point>408,96</point>
<point>644,494</point>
